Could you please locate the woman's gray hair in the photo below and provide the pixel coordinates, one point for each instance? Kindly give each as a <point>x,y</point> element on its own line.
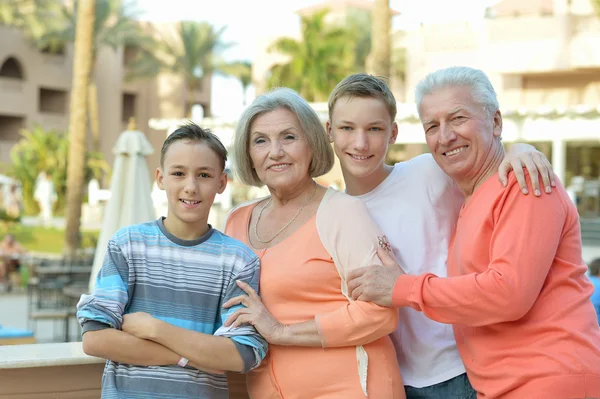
<point>481,88</point>
<point>322,153</point>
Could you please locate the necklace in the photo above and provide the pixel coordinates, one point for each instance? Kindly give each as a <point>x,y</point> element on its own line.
<point>286,225</point>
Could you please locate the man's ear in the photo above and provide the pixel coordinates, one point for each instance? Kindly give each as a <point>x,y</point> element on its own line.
<point>497,124</point>
<point>159,178</point>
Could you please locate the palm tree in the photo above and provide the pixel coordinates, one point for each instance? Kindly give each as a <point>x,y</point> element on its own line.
<point>242,70</point>
<point>380,58</point>
<point>47,150</point>
<point>51,24</point>
<point>13,11</point>
<point>359,25</point>
<point>596,6</point>
<point>317,62</point>
<point>399,63</point>
<point>9,13</point>
<point>193,52</point>
<point>82,68</point>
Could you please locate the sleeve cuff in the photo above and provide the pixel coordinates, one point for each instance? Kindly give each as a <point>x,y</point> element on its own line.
<point>332,328</point>
<point>247,354</point>
<point>92,325</point>
<point>402,290</point>
<point>320,331</point>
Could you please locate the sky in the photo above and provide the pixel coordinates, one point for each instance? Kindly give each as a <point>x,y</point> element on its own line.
<point>247,20</point>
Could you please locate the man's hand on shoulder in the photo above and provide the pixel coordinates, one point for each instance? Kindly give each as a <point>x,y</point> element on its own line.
<point>375,283</point>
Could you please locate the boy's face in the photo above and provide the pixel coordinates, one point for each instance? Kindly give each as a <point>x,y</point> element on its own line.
<point>191,175</point>
<point>361,130</point>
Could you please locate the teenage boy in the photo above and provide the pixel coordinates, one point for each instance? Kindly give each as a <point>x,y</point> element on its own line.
<point>172,275</point>
<point>416,205</point>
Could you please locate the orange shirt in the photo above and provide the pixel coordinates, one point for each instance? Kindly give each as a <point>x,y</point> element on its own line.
<point>303,278</point>
<point>517,296</point>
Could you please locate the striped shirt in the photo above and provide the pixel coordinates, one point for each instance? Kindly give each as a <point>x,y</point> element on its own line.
<point>147,269</point>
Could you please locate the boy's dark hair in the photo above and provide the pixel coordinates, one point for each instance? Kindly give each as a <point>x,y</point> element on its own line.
<point>594,267</point>
<point>363,85</point>
<point>194,133</point>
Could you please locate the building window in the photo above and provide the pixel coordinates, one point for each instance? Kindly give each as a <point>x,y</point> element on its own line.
<point>129,54</point>
<point>11,68</point>
<point>196,110</point>
<point>128,110</point>
<point>54,49</point>
<point>53,101</point>
<point>10,126</point>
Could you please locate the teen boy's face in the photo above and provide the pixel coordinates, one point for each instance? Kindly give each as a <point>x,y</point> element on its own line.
<point>361,130</point>
<point>191,175</point>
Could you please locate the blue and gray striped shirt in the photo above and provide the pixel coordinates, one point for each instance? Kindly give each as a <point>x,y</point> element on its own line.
<point>147,269</point>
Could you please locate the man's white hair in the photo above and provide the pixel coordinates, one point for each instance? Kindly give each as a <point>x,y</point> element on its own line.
<point>481,88</point>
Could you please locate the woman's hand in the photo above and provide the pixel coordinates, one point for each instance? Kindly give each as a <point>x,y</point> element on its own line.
<point>255,314</point>
<point>140,324</point>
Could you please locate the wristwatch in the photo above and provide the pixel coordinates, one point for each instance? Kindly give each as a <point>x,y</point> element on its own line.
<point>182,362</point>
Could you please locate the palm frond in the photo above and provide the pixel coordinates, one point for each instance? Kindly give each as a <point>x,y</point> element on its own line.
<point>323,57</point>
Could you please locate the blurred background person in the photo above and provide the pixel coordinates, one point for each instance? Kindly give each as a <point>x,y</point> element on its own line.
<point>10,261</point>
<point>14,202</point>
<point>45,195</point>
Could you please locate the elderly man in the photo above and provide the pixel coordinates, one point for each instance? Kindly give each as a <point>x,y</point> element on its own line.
<point>517,295</point>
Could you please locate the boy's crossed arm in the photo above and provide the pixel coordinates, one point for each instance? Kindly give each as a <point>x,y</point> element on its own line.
<point>238,350</point>
<point>101,317</point>
<point>204,351</point>
<point>121,347</point>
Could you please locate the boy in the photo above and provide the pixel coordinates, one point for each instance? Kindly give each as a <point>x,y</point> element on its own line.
<point>416,205</point>
<point>172,275</point>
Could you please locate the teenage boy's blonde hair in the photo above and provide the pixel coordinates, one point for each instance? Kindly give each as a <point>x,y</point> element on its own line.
<point>363,85</point>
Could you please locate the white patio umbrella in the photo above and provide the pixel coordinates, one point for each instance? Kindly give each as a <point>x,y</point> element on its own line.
<point>130,201</point>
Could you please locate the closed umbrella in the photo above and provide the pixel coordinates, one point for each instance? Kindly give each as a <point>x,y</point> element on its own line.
<point>130,201</point>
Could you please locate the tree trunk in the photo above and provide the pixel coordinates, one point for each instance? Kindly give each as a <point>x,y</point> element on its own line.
<point>185,91</point>
<point>190,100</point>
<point>82,66</point>
<point>244,94</point>
<point>93,115</point>
<point>380,58</point>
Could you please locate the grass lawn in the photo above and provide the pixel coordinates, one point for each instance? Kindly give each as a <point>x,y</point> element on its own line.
<point>41,239</point>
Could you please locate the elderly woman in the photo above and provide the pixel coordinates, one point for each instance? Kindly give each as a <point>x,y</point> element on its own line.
<point>322,345</point>
<point>517,294</point>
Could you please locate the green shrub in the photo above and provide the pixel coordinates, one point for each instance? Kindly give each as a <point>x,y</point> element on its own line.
<point>47,150</point>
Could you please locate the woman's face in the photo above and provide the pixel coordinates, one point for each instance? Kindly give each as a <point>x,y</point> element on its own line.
<point>278,149</point>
